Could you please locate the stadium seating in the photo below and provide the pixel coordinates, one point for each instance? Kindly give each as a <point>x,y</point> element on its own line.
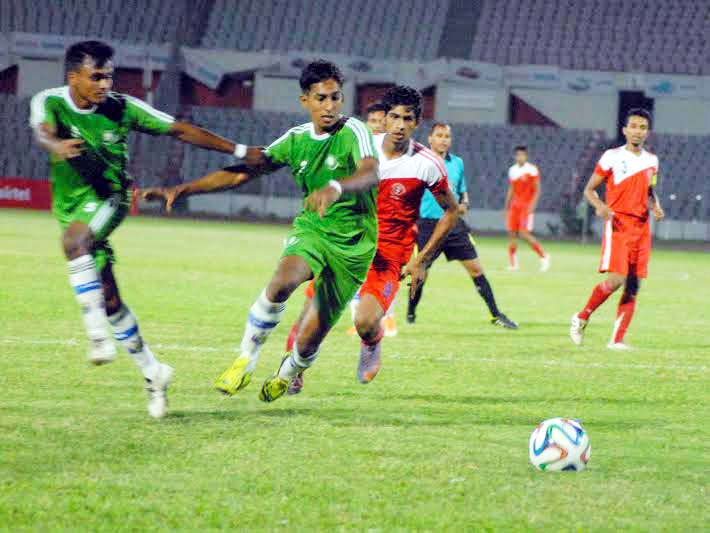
<point>154,22</point>
<point>667,36</point>
<point>368,28</point>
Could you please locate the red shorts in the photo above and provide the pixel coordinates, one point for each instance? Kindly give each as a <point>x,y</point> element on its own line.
<point>626,246</point>
<point>310,291</point>
<point>520,218</point>
<point>383,277</point>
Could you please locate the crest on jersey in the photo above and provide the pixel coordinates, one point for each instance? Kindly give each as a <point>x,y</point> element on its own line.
<point>398,190</point>
<point>331,162</point>
<point>109,137</point>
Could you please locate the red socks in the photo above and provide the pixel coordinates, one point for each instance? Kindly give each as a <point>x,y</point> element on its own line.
<point>292,336</point>
<point>512,257</point>
<point>625,312</point>
<point>599,295</point>
<point>538,249</point>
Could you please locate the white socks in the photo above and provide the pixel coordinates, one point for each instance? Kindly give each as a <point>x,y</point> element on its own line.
<point>84,279</point>
<point>294,363</point>
<point>126,332</point>
<point>264,316</point>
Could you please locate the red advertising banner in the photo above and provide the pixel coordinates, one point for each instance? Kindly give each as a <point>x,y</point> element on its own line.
<point>25,193</point>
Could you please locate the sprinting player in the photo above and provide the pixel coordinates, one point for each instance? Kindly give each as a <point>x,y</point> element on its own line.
<point>84,127</point>
<point>407,170</point>
<point>334,161</point>
<point>375,122</point>
<point>375,118</point>
<point>630,174</point>
<point>520,204</point>
<point>458,244</point>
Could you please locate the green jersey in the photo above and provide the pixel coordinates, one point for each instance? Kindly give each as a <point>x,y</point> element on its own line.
<point>104,129</point>
<point>315,160</point>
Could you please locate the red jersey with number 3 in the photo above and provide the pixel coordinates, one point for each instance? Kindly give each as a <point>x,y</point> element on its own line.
<point>403,181</point>
<point>628,178</point>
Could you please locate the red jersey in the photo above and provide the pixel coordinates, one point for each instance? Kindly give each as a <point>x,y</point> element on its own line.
<point>403,181</point>
<point>524,181</point>
<point>628,178</point>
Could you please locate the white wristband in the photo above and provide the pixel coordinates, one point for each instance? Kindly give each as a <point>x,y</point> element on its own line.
<point>337,186</point>
<point>240,151</point>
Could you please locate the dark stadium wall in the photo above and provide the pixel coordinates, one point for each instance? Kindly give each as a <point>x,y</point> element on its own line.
<point>231,92</point>
<point>8,80</point>
<point>130,81</point>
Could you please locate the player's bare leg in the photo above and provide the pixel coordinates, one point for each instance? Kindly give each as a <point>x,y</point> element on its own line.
<point>125,328</point>
<point>264,315</point>
<point>389,321</point>
<point>78,244</point>
<point>415,295</point>
<point>535,245</point>
<point>475,270</point>
<point>625,312</point>
<point>513,251</point>
<point>599,295</point>
<point>368,324</point>
<point>305,351</point>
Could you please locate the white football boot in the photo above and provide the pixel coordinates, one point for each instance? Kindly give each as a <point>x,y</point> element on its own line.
<point>545,263</point>
<point>101,351</point>
<point>619,346</point>
<point>157,389</point>
<point>576,329</point>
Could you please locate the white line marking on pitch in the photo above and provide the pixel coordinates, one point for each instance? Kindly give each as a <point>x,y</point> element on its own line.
<point>445,358</point>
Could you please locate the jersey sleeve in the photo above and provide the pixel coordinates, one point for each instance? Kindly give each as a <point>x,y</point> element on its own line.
<point>604,165</point>
<point>363,144</point>
<point>654,178</point>
<point>144,118</point>
<point>41,111</point>
<point>462,182</point>
<point>279,151</point>
<point>437,180</point>
<point>536,173</point>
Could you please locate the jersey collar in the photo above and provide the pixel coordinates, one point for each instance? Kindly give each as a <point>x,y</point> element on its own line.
<point>72,105</point>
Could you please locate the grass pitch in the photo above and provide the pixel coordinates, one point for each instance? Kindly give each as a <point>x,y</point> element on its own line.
<point>437,442</point>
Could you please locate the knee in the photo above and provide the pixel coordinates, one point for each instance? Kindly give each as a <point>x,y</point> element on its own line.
<point>279,289</point>
<point>77,241</point>
<point>631,288</point>
<point>112,300</point>
<point>367,325</point>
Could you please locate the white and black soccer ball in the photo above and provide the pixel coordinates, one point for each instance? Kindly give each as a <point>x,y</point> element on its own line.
<point>559,444</point>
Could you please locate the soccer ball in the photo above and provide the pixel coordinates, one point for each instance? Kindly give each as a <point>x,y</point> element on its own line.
<point>559,444</point>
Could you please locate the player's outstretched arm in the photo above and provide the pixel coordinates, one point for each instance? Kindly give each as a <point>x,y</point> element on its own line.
<point>590,193</point>
<point>364,178</point>
<point>416,268</point>
<point>254,164</point>
<point>191,134</point>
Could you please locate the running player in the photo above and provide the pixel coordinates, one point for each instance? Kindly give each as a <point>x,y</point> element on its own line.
<point>375,122</point>
<point>407,170</point>
<point>84,127</point>
<point>520,203</point>
<point>458,244</point>
<point>630,174</point>
<point>334,161</point>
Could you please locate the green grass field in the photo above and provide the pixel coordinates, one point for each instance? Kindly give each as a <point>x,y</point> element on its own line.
<point>437,442</point>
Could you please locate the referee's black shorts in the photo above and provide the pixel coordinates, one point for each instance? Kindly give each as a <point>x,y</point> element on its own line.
<point>457,246</point>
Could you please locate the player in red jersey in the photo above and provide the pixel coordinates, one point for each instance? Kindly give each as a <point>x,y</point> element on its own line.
<point>407,169</point>
<point>520,203</point>
<point>630,174</point>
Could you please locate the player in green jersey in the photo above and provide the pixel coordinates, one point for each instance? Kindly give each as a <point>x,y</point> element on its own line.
<point>334,162</point>
<point>84,127</point>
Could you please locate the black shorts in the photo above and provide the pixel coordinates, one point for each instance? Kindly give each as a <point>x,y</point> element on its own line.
<point>457,245</point>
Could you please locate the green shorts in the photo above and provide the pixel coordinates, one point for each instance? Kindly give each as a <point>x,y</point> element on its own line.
<point>102,215</point>
<point>339,269</point>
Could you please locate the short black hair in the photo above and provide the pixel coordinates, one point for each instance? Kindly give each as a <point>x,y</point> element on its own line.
<point>438,125</point>
<point>318,71</point>
<point>375,108</point>
<point>639,112</point>
<point>403,95</point>
<point>521,148</point>
<point>77,53</point>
